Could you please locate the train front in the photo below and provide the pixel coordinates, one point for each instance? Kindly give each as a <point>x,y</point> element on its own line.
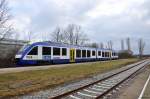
<point>19,55</point>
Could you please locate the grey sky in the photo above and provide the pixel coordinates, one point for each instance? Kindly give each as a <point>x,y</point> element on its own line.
<point>102,20</point>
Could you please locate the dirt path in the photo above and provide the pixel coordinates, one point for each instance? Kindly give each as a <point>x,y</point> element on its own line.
<point>133,89</point>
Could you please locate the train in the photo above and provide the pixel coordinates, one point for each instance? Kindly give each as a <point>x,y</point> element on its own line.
<point>49,52</point>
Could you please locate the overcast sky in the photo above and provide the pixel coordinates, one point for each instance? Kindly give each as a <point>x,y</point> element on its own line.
<point>101,20</point>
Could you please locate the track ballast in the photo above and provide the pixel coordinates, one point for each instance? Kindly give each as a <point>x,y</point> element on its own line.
<point>100,88</point>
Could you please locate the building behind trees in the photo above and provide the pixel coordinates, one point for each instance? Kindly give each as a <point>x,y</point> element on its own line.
<point>125,52</point>
<point>8,50</point>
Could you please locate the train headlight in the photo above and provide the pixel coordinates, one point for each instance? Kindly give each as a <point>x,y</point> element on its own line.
<point>18,56</point>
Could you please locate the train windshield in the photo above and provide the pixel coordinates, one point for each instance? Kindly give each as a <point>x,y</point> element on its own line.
<point>23,48</point>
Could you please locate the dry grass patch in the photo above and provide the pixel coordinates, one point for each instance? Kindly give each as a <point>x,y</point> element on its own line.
<point>23,82</point>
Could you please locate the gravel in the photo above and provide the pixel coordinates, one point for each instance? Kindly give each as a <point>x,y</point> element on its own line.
<point>49,93</point>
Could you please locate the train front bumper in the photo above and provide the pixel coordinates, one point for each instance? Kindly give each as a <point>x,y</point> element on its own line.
<point>17,59</point>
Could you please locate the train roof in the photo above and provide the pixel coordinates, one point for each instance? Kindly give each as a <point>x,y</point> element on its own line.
<point>47,43</point>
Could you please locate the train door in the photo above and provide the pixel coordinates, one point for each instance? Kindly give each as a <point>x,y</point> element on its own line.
<point>72,55</point>
<point>110,54</point>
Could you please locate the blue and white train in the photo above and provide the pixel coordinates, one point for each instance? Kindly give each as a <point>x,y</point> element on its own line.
<point>57,53</point>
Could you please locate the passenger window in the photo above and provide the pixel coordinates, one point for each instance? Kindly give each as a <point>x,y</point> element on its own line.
<point>56,51</point>
<point>88,53</point>
<point>46,50</point>
<point>34,51</point>
<point>99,53</point>
<point>78,53</point>
<point>93,53</point>
<point>103,54</point>
<point>113,54</point>
<point>106,54</point>
<point>83,53</point>
<point>64,51</point>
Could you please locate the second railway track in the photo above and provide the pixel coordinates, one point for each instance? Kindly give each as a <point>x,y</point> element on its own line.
<point>100,88</point>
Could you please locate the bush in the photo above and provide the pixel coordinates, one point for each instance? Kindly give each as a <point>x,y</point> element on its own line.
<point>125,55</point>
<point>5,63</point>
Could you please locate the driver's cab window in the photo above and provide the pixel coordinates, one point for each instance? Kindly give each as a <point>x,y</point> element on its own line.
<point>34,51</point>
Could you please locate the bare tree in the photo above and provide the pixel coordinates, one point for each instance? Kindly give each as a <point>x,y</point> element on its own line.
<point>5,30</point>
<point>106,46</point>
<point>70,33</point>
<point>94,45</point>
<point>122,44</point>
<point>83,39</point>
<point>29,36</point>
<point>75,35</point>
<point>79,36</point>
<point>128,44</point>
<point>141,45</point>
<point>101,45</point>
<point>57,35</point>
<point>110,44</point>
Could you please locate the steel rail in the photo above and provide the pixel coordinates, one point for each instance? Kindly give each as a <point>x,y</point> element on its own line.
<point>110,76</point>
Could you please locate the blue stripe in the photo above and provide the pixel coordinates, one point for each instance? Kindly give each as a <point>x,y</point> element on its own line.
<point>27,62</point>
<point>85,60</point>
<point>60,61</point>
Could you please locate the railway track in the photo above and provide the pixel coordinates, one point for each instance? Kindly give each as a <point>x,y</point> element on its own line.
<point>101,88</point>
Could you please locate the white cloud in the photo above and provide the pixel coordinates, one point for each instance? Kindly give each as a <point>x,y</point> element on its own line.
<point>114,8</point>
<point>101,19</point>
<point>107,8</point>
<point>148,22</point>
<point>21,23</point>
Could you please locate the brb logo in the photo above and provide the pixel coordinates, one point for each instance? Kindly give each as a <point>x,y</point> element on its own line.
<point>46,57</point>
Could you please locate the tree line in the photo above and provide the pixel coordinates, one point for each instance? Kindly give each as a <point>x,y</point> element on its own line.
<point>141,45</point>
<point>72,34</point>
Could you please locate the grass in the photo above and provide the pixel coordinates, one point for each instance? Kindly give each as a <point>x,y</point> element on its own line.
<point>12,84</point>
